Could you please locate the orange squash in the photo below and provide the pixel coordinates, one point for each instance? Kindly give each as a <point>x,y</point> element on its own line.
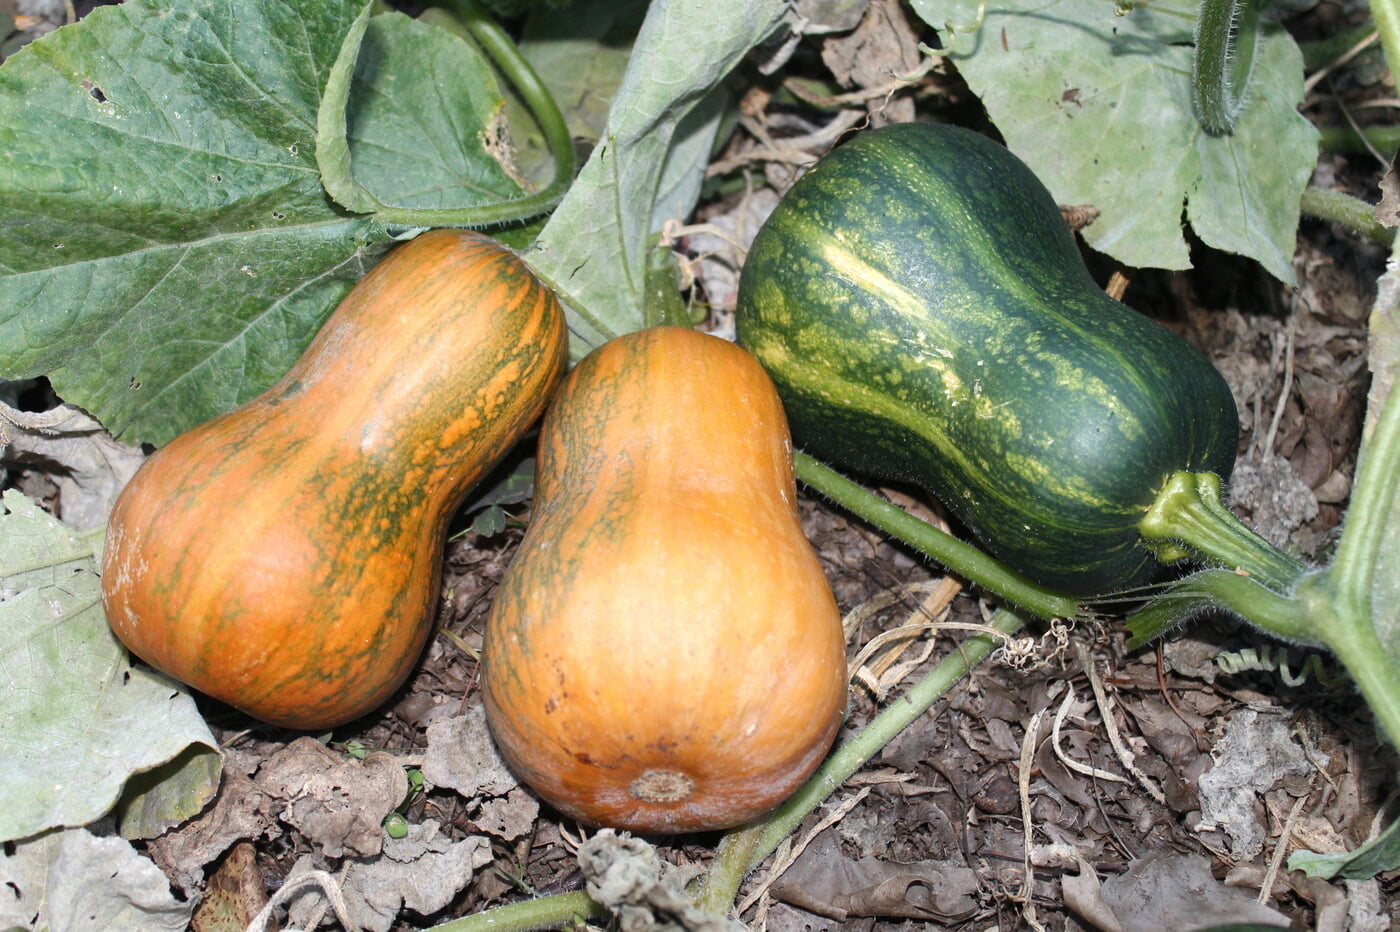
<point>664,653</point>
<point>285,557</point>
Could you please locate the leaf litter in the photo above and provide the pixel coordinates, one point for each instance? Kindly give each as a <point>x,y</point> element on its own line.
<point>1248,767</point>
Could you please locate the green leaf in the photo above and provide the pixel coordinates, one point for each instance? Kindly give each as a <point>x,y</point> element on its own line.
<point>1379,855</point>
<point>166,246</point>
<point>157,800</point>
<point>77,719</point>
<point>375,148</point>
<point>1099,106</point>
<point>582,56</point>
<point>594,247</point>
<point>333,125</point>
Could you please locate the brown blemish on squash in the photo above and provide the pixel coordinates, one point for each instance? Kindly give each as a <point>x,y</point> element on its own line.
<point>662,787</point>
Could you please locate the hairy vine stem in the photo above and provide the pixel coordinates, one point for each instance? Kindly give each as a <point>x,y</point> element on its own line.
<point>945,549</point>
<point>1226,32</point>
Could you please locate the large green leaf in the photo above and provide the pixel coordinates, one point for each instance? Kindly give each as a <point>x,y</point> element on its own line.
<point>77,719</point>
<point>594,247</point>
<point>1098,104</point>
<point>166,245</point>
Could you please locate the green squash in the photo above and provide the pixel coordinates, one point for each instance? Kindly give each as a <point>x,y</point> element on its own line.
<point>927,317</point>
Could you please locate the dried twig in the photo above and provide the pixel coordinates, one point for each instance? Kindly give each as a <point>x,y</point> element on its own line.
<point>329,887</point>
<point>1110,724</point>
<point>1276,862</point>
<point>1024,785</point>
<point>1065,759</point>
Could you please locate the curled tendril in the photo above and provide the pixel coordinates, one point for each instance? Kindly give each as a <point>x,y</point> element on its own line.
<point>1277,658</point>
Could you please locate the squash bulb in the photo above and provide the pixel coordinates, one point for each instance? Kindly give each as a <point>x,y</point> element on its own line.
<point>664,653</point>
<point>285,557</point>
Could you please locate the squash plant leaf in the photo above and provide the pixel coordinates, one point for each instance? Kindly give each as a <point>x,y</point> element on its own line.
<point>76,880</point>
<point>582,58</point>
<point>77,719</point>
<point>1098,103</point>
<point>166,245</point>
<point>594,248</point>
<point>1379,855</point>
<point>412,137</point>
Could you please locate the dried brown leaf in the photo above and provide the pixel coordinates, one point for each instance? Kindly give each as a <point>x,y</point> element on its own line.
<point>235,893</point>
<point>827,882</point>
<point>337,802</point>
<point>241,812</point>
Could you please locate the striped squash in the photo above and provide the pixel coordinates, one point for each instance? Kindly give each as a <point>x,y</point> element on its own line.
<point>927,317</point>
<point>285,557</point>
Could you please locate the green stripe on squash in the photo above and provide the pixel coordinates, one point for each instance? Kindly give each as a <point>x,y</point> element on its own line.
<point>927,317</point>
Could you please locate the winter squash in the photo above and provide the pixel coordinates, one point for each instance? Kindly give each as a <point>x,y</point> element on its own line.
<point>285,557</point>
<point>664,653</point>
<point>926,315</point>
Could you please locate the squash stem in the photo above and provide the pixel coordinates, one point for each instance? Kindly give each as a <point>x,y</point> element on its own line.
<point>1282,615</point>
<point>1189,518</point>
<point>1351,212</point>
<point>743,850</point>
<point>1373,507</point>
<point>1386,16</point>
<point>542,912</point>
<point>960,557</point>
<point>1343,622</point>
<point>1226,31</point>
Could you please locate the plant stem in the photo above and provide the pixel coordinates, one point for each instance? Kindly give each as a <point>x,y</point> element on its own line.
<point>1371,509</point>
<point>743,850</point>
<point>538,913</point>
<point>1344,624</point>
<point>1350,139</point>
<point>1319,53</point>
<point>1387,19</point>
<point>1189,513</point>
<point>1351,212</point>
<point>960,557</point>
<point>1215,588</point>
<point>1225,38</point>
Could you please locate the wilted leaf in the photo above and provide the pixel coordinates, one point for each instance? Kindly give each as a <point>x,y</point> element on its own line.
<point>241,810</point>
<point>1177,891</point>
<point>827,882</point>
<point>67,444</point>
<point>510,816</point>
<point>1098,104</point>
<point>234,894</point>
<point>338,803</point>
<point>1258,750</point>
<point>626,875</point>
<point>422,872</point>
<point>74,881</point>
<point>77,720</point>
<point>462,757</point>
